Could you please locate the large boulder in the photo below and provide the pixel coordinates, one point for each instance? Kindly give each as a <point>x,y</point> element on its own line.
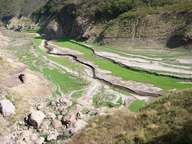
<point>7,108</point>
<point>35,118</point>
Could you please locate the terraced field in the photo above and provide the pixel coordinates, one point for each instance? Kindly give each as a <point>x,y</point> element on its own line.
<point>69,78</point>
<point>81,82</point>
<point>73,79</point>
<point>37,60</point>
<point>163,82</point>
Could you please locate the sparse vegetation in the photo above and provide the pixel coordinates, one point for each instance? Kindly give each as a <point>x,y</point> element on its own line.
<point>136,105</point>
<point>63,81</point>
<point>167,120</point>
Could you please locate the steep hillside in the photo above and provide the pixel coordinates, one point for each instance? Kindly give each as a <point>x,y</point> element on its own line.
<point>167,22</point>
<point>15,14</point>
<point>166,121</point>
<point>164,22</point>
<point>11,8</point>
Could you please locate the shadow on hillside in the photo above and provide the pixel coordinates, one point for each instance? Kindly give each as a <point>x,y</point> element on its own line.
<point>177,41</point>
<point>181,136</point>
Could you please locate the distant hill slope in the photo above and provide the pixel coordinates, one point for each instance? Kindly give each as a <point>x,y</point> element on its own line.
<point>165,21</point>
<point>11,8</point>
<point>166,121</point>
<point>168,22</point>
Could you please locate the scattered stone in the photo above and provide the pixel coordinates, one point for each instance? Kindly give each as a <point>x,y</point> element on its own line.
<point>53,103</point>
<point>65,122</point>
<point>7,108</point>
<point>65,101</point>
<point>28,137</point>
<point>58,104</point>
<point>22,78</point>
<point>64,112</point>
<point>93,113</point>
<point>40,107</point>
<point>57,124</point>
<point>80,124</point>
<point>78,115</point>
<point>59,117</point>
<point>51,115</point>
<point>52,135</point>
<point>61,108</point>
<point>21,123</point>
<point>45,126</point>
<point>41,140</point>
<point>67,134</point>
<point>35,118</point>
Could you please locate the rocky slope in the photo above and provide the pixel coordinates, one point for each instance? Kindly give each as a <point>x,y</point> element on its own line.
<point>20,90</point>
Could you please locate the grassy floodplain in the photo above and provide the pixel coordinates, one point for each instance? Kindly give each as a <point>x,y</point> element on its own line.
<point>136,105</point>
<point>65,81</point>
<point>37,60</point>
<point>163,82</point>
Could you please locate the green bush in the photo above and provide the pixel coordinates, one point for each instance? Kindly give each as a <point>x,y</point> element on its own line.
<point>111,8</point>
<point>161,2</point>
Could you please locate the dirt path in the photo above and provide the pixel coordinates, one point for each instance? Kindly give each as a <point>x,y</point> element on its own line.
<point>92,90</point>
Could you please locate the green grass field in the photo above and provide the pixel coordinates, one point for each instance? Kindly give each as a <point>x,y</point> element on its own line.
<point>64,81</point>
<point>64,61</point>
<point>163,82</point>
<point>136,105</point>
<point>67,83</point>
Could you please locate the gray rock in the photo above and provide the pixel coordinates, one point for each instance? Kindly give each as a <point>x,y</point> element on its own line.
<point>51,115</point>
<point>57,124</point>
<point>53,103</point>
<point>61,108</point>
<point>59,117</point>
<point>28,137</point>
<point>7,108</point>
<point>52,135</point>
<point>36,118</point>
<point>45,126</point>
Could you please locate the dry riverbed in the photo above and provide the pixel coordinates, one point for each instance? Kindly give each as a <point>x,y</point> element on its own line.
<point>64,88</point>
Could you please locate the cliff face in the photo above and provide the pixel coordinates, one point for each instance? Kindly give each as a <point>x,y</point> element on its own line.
<point>65,24</point>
